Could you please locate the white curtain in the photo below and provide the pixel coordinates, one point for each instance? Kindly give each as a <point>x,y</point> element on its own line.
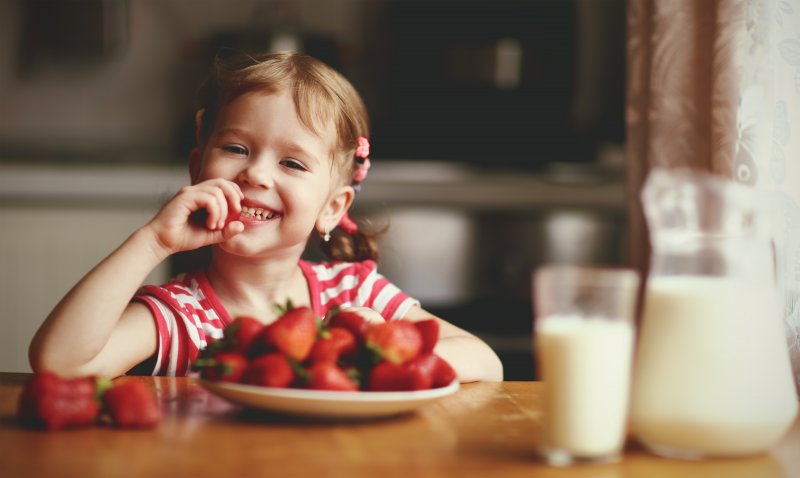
<point>715,85</point>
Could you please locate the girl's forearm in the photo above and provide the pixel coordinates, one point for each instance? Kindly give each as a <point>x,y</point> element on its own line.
<point>472,359</point>
<point>80,326</point>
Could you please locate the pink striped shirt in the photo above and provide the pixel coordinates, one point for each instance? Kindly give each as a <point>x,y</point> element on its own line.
<point>188,313</point>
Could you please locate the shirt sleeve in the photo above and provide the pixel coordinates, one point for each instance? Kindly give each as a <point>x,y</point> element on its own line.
<point>376,292</point>
<point>183,327</point>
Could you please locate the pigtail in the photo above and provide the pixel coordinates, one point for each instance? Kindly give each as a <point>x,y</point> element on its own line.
<point>355,246</point>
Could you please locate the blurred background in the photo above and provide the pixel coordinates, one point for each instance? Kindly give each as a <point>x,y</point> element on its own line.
<point>498,139</point>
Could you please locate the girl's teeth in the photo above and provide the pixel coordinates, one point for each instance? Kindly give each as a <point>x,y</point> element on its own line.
<point>259,214</point>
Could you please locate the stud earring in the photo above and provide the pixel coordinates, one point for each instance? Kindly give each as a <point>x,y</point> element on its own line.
<point>327,236</point>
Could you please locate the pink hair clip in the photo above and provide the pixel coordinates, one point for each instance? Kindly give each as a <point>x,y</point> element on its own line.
<point>362,160</point>
<point>362,151</point>
<point>347,224</point>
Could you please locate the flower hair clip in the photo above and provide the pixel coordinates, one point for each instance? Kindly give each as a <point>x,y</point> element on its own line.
<point>362,160</point>
<point>362,151</point>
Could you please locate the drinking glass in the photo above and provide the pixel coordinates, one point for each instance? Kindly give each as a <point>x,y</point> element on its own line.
<point>583,339</point>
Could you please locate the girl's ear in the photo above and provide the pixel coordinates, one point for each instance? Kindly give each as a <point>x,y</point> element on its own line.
<point>195,160</point>
<point>337,205</point>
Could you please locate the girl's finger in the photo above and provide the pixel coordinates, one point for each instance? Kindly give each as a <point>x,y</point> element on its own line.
<point>222,204</point>
<point>234,198</point>
<point>208,201</point>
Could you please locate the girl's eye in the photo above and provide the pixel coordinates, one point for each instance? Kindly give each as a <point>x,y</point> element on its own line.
<point>235,149</point>
<point>293,164</point>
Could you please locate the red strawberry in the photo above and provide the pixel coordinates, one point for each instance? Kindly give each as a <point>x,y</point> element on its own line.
<point>397,341</point>
<point>390,377</point>
<point>223,367</point>
<point>293,333</point>
<point>261,344</point>
<point>239,335</point>
<point>429,332</point>
<point>51,402</point>
<point>338,343</point>
<point>351,321</point>
<point>131,404</point>
<point>444,374</point>
<point>271,370</point>
<point>328,376</point>
<point>423,370</point>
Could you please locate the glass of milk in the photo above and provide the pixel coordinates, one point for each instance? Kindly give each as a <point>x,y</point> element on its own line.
<point>583,340</point>
<point>713,376</point>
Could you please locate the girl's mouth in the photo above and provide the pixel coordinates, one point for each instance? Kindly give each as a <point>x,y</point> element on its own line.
<point>257,214</point>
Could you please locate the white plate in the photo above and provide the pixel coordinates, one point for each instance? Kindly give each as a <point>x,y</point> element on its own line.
<point>327,404</point>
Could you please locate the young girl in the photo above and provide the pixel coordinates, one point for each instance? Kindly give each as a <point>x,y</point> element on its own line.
<point>281,150</point>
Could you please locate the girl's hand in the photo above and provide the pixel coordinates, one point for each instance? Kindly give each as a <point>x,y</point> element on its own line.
<point>198,216</point>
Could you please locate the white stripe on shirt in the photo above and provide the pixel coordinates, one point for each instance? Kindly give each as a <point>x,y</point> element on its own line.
<point>366,290</point>
<point>386,294</point>
<point>327,273</point>
<point>348,282</point>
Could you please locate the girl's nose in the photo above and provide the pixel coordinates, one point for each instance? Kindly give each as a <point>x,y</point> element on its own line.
<point>257,174</point>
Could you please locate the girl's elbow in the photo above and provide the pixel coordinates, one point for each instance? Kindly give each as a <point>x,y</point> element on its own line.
<point>493,367</point>
<point>43,360</point>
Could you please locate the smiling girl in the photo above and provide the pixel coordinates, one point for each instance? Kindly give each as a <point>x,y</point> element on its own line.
<point>281,150</point>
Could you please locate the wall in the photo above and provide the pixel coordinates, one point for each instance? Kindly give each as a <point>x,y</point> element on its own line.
<point>128,106</point>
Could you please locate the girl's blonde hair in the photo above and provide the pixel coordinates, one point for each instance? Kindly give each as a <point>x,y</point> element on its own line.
<point>322,97</point>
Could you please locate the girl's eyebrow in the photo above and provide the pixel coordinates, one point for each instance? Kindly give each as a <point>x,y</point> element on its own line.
<point>233,131</point>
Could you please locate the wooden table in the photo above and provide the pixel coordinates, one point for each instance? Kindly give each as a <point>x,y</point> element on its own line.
<point>484,430</point>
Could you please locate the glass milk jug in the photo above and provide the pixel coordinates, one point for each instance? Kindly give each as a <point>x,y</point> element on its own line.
<point>712,373</point>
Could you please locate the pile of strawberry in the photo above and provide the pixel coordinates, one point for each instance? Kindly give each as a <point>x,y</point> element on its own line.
<point>52,402</point>
<point>344,353</point>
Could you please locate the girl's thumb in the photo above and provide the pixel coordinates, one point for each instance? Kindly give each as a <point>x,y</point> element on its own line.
<point>231,229</point>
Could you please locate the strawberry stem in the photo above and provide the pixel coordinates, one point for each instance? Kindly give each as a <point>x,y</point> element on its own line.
<point>202,363</point>
<point>298,369</point>
<point>282,309</point>
<point>101,384</point>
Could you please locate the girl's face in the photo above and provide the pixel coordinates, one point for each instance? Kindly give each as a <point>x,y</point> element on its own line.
<point>284,170</point>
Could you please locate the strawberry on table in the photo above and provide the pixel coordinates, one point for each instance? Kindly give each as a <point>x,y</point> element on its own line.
<point>270,370</point>
<point>328,376</point>
<point>293,333</point>
<point>131,404</point>
<point>51,402</point>
<point>397,341</point>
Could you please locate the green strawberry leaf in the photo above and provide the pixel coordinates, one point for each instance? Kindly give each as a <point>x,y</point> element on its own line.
<point>355,375</point>
<point>298,369</point>
<point>202,363</point>
<point>322,330</point>
<point>101,384</point>
<point>375,353</point>
<point>282,309</point>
